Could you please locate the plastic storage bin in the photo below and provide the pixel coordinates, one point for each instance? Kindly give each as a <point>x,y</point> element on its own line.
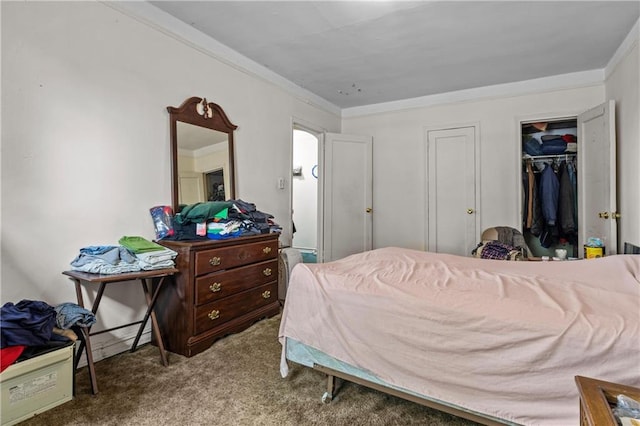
<point>36,385</point>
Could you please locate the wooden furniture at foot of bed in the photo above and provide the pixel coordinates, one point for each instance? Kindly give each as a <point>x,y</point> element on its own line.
<point>596,399</point>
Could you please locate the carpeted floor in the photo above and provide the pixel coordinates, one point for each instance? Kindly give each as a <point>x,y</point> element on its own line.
<point>235,382</point>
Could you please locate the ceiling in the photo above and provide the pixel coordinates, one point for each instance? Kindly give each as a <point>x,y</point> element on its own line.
<point>355,53</point>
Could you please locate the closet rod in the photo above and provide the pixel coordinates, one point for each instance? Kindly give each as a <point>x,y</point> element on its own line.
<point>551,157</point>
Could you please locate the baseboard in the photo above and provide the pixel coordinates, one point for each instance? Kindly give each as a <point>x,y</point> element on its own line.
<point>115,342</point>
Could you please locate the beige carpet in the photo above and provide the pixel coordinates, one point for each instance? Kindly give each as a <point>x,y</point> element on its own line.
<point>235,382</point>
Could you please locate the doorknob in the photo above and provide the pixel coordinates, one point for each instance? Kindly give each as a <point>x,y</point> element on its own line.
<point>369,210</point>
<point>603,215</point>
<point>615,215</point>
<point>469,211</point>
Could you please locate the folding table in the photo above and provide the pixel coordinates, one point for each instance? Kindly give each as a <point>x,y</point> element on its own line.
<point>147,280</point>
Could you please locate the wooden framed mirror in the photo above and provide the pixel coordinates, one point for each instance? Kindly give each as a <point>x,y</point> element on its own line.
<point>202,156</point>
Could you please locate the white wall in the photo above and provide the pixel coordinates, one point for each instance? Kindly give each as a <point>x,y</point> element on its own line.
<point>623,86</point>
<point>399,157</point>
<point>85,141</point>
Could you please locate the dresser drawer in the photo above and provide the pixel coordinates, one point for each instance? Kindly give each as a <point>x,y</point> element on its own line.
<point>228,257</point>
<point>218,285</point>
<point>220,311</point>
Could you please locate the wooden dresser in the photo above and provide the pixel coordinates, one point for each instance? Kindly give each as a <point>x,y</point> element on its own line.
<point>222,287</point>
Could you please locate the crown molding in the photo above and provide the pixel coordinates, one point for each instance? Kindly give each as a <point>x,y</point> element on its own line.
<point>630,40</point>
<point>159,20</point>
<point>556,82</point>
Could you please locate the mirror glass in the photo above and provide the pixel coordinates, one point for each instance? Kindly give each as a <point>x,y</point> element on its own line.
<point>203,164</point>
<point>201,153</point>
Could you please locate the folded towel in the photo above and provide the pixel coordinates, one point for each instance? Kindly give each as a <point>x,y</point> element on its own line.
<point>153,257</point>
<point>158,265</point>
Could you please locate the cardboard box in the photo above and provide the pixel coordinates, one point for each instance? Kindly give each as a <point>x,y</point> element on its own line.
<point>36,385</point>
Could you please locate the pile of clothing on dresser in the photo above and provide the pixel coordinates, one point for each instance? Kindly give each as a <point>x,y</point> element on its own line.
<point>132,255</point>
<point>216,220</point>
<point>31,326</point>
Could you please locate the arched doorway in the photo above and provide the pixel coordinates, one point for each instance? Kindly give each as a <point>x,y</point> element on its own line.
<point>304,186</point>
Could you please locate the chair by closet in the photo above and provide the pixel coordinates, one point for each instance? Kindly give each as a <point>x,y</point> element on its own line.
<point>506,235</point>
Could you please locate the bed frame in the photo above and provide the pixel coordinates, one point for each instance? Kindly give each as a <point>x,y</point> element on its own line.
<point>308,357</point>
<point>332,388</point>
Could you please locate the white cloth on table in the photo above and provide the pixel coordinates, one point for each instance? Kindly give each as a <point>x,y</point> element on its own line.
<point>157,259</point>
<point>157,256</point>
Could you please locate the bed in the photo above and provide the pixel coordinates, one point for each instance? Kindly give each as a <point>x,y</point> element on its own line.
<point>492,341</point>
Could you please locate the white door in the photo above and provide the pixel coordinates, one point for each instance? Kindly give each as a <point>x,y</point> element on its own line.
<point>597,176</point>
<point>451,165</point>
<point>347,194</point>
<point>191,187</point>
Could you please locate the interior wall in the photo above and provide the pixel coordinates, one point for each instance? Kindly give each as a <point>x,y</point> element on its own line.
<point>400,158</point>
<point>623,86</point>
<point>85,142</point>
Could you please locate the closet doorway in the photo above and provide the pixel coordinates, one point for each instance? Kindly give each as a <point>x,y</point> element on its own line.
<point>594,188</point>
<point>304,193</point>
<point>215,185</point>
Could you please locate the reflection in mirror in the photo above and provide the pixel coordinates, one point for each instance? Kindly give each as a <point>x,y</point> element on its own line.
<point>203,164</point>
<point>202,160</point>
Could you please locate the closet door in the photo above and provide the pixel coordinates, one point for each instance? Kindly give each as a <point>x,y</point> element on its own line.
<point>597,212</point>
<point>451,186</point>
<point>347,188</point>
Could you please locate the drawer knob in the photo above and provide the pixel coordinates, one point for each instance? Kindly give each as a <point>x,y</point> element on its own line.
<point>215,287</point>
<point>267,272</point>
<point>213,315</point>
<point>266,250</point>
<point>266,294</point>
<point>214,261</point>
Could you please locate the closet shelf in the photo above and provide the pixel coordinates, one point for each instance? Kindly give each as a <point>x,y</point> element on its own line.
<point>569,124</point>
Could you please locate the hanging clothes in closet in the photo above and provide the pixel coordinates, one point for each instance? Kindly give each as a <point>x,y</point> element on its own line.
<point>550,202</point>
<point>549,193</point>
<point>533,220</point>
<point>566,201</point>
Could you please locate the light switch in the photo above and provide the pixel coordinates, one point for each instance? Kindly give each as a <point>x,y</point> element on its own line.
<point>280,183</point>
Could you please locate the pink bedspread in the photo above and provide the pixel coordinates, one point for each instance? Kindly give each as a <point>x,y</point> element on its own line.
<point>504,339</point>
